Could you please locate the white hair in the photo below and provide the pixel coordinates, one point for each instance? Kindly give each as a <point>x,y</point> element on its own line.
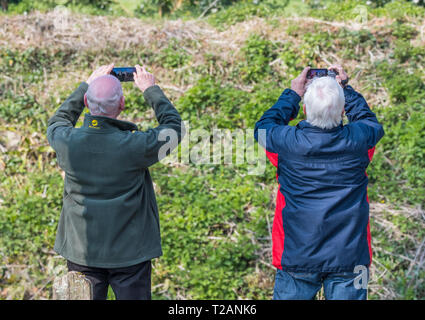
<point>103,102</point>
<point>324,102</point>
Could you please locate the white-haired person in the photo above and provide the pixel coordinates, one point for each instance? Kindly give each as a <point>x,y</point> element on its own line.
<point>321,235</point>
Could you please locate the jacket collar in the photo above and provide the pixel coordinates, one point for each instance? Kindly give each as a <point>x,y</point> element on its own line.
<point>105,123</point>
<point>305,125</point>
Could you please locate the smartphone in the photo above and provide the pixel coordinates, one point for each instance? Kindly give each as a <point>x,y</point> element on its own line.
<point>124,74</point>
<point>313,73</point>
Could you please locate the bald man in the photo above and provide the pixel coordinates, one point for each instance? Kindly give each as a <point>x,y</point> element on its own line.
<point>109,224</point>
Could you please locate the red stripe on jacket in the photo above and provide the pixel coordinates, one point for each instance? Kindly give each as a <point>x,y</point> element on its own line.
<point>370,153</point>
<point>278,234</point>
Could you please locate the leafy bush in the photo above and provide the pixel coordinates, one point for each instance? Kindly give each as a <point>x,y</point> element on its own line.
<point>397,173</point>
<point>214,236</point>
<point>223,106</point>
<point>405,52</point>
<point>403,31</point>
<point>403,87</point>
<point>22,109</point>
<point>181,7</point>
<point>257,54</point>
<point>99,4</point>
<point>320,39</point>
<point>21,6</point>
<point>336,10</point>
<point>355,44</point>
<point>293,60</point>
<point>218,105</point>
<point>380,3</point>
<point>399,9</point>
<point>173,56</point>
<point>361,10</point>
<point>29,217</point>
<point>91,6</point>
<point>245,10</point>
<point>30,61</point>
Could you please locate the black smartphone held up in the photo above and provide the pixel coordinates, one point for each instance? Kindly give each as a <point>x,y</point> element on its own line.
<point>313,73</point>
<point>124,74</point>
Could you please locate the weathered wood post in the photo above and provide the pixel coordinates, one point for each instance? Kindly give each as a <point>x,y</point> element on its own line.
<point>72,286</point>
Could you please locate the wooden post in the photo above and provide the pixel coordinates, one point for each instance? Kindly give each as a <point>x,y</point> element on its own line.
<point>72,286</point>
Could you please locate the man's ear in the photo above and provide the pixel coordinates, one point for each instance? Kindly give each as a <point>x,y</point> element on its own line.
<point>305,113</point>
<point>122,103</point>
<point>343,111</point>
<point>85,100</point>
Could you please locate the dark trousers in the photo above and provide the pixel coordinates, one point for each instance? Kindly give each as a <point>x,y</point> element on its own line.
<point>128,283</point>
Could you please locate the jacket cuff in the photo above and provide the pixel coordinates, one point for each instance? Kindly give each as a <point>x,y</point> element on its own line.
<point>293,94</point>
<point>152,93</point>
<point>349,93</point>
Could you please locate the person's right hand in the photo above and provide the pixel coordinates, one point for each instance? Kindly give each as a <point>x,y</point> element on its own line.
<point>143,79</point>
<point>299,83</point>
<point>341,73</point>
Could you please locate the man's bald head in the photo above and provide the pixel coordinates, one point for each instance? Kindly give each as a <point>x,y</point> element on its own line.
<point>104,97</point>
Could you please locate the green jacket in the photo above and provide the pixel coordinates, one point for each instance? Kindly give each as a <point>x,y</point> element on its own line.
<point>109,217</point>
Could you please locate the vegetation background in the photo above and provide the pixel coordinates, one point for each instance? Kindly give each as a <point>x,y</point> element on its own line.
<point>223,63</point>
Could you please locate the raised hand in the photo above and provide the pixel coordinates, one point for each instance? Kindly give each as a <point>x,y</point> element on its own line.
<point>143,79</point>
<point>298,84</point>
<point>341,76</point>
<point>101,71</point>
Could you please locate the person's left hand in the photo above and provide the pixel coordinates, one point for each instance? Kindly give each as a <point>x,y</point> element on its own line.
<point>143,79</point>
<point>298,84</point>
<point>101,71</point>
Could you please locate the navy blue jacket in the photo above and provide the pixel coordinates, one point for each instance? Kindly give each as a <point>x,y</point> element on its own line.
<point>322,175</point>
